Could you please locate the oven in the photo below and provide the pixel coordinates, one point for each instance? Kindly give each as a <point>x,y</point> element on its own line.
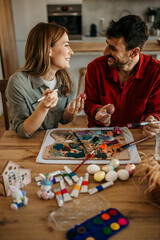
<point>68,16</point>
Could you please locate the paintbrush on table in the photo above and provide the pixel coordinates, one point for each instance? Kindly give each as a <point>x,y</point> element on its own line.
<point>88,156</point>
<point>133,125</point>
<point>131,144</point>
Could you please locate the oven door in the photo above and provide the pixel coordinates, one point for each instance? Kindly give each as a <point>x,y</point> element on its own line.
<point>71,21</point>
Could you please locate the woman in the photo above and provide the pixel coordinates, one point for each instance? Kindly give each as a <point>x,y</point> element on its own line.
<point>47,56</point>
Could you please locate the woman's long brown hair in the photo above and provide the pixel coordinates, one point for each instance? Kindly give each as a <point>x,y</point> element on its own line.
<point>37,61</point>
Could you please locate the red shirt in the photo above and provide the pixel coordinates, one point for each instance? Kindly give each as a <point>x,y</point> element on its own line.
<point>138,98</point>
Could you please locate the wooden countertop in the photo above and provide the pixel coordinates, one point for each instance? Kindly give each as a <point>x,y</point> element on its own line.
<point>82,46</point>
<point>31,221</point>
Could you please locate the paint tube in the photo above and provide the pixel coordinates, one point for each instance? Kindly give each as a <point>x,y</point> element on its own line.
<point>67,177</point>
<point>65,193</point>
<point>54,180</point>
<point>51,174</point>
<point>100,187</point>
<point>84,187</point>
<point>59,196</point>
<point>71,174</point>
<point>77,188</point>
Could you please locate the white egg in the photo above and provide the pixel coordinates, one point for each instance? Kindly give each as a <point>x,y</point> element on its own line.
<point>93,168</point>
<point>111,176</point>
<point>123,174</point>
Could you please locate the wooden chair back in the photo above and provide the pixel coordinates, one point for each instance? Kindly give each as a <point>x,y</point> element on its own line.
<point>3,85</point>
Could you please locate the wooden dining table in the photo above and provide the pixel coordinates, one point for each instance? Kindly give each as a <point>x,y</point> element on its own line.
<point>31,221</point>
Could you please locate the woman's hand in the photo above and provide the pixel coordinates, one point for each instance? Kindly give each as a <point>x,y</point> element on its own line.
<point>34,121</point>
<point>50,100</point>
<point>72,109</point>
<point>152,128</point>
<point>75,107</point>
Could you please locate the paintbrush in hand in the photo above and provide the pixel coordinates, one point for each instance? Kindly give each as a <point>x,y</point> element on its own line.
<point>40,99</point>
<point>133,125</point>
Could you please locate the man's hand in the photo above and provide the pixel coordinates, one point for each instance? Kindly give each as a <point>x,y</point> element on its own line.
<point>152,128</point>
<point>104,114</point>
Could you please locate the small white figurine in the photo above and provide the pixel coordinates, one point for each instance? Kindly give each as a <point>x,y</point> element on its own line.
<point>45,192</point>
<point>19,197</point>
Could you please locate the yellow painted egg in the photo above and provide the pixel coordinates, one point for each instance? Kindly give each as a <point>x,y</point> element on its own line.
<point>99,176</point>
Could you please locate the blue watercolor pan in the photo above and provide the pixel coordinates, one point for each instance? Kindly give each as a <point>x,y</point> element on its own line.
<point>99,227</point>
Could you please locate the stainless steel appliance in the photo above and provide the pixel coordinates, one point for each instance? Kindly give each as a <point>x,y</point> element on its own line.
<point>153,15</point>
<point>68,16</point>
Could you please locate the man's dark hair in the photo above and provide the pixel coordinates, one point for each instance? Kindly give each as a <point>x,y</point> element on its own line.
<point>132,28</point>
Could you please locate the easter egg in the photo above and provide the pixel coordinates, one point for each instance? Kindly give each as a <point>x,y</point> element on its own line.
<point>110,108</point>
<point>83,96</point>
<point>130,168</point>
<point>107,168</point>
<point>111,176</point>
<point>117,131</point>
<point>93,168</point>
<point>123,174</point>
<point>99,176</point>
<point>115,163</point>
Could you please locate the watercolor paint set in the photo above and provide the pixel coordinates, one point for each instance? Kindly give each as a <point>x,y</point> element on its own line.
<point>99,227</point>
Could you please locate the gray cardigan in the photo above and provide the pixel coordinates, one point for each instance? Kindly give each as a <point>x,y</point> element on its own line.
<point>24,89</point>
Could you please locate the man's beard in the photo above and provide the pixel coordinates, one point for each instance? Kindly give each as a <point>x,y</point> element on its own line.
<point>112,63</point>
<point>115,63</point>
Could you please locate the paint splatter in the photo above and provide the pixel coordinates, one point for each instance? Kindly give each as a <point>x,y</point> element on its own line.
<point>75,155</point>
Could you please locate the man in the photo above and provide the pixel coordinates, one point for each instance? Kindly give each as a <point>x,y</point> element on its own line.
<point>125,78</point>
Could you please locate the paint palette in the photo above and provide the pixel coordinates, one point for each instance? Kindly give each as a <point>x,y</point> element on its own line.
<point>99,227</point>
<point>104,141</point>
